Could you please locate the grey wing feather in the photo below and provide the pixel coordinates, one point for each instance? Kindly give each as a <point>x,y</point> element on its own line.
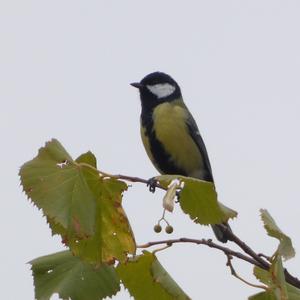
<point>195,134</point>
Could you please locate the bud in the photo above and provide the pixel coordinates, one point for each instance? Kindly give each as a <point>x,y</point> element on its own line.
<point>169,198</point>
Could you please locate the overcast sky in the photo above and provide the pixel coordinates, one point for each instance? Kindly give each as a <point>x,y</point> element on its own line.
<point>65,69</point>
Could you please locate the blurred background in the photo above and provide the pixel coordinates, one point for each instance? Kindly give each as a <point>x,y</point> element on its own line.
<point>65,69</point>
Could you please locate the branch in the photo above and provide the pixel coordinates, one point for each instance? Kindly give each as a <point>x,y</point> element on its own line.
<point>258,257</point>
<point>291,279</point>
<point>138,179</point>
<point>227,251</point>
<point>123,177</point>
<point>232,237</point>
<point>268,258</point>
<point>233,273</point>
<point>205,242</point>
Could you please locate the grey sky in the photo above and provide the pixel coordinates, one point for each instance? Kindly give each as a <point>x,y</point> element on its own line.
<point>65,69</point>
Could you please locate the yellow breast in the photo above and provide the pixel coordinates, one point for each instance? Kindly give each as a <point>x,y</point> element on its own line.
<point>169,124</point>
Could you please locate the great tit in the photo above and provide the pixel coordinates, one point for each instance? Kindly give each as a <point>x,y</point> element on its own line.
<point>170,134</point>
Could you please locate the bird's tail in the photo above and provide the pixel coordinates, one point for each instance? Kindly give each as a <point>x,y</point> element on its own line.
<point>220,232</point>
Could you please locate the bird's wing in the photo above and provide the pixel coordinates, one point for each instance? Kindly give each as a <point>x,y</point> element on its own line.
<point>195,134</point>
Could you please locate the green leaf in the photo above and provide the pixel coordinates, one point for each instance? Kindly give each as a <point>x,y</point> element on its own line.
<point>268,295</point>
<point>72,278</point>
<point>293,292</point>
<point>199,200</point>
<point>55,184</point>
<point>285,248</point>
<point>275,280</point>
<point>113,235</point>
<point>146,279</point>
<point>87,158</point>
<point>161,276</point>
<point>263,276</point>
<point>278,278</point>
<point>80,205</point>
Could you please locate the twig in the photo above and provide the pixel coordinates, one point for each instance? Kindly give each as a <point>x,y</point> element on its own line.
<point>233,273</point>
<point>291,279</point>
<point>138,179</point>
<point>288,277</point>
<point>162,248</point>
<point>268,258</point>
<point>208,243</point>
<point>120,176</point>
<point>232,237</point>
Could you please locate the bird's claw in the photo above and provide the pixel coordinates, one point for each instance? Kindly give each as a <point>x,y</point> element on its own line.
<point>152,183</point>
<point>178,197</point>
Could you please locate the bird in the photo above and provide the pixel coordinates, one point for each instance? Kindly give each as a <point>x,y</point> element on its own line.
<point>170,134</point>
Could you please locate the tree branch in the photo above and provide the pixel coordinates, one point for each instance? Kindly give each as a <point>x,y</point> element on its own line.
<point>234,273</point>
<point>205,242</point>
<point>232,237</point>
<point>227,251</point>
<point>123,177</point>
<point>138,179</point>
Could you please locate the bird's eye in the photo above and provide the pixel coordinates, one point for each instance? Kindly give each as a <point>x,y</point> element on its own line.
<point>161,90</point>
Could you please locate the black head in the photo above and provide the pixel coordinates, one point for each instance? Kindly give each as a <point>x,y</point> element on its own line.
<point>157,88</point>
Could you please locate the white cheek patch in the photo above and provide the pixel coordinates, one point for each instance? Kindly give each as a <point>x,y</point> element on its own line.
<point>161,90</point>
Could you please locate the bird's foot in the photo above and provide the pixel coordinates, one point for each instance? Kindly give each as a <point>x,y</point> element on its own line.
<point>178,197</point>
<point>152,183</point>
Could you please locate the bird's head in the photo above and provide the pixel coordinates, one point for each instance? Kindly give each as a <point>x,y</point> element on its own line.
<point>157,88</point>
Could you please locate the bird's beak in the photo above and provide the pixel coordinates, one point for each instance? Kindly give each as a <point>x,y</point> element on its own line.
<point>137,85</point>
